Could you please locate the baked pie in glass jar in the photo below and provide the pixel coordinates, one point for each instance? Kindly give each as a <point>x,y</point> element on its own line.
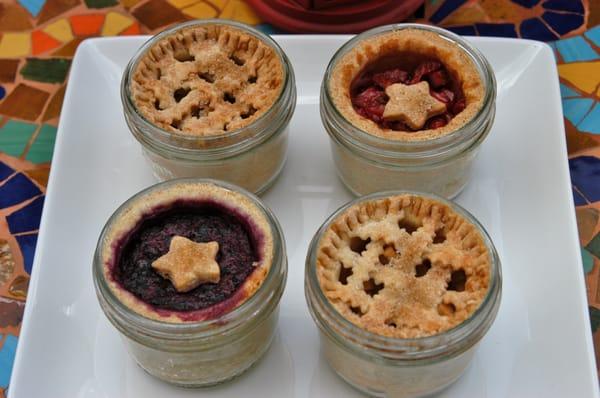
<point>406,107</point>
<point>211,98</point>
<point>402,286</point>
<point>191,271</point>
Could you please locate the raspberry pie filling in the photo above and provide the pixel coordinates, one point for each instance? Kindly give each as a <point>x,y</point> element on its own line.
<point>191,257</point>
<point>368,90</point>
<point>408,84</point>
<point>403,266</point>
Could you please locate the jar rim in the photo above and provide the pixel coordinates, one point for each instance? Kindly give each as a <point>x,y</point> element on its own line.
<point>262,297</point>
<point>449,342</point>
<point>417,148</point>
<point>262,122</point>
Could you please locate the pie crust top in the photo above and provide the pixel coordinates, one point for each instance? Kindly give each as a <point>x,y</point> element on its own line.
<point>403,266</point>
<point>417,41</point>
<point>206,80</point>
<point>169,198</point>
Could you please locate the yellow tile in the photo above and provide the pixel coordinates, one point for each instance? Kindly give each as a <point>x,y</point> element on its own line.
<point>583,75</point>
<point>182,3</point>
<point>115,23</point>
<point>60,30</point>
<point>239,11</point>
<point>200,11</point>
<point>220,4</point>
<point>15,45</point>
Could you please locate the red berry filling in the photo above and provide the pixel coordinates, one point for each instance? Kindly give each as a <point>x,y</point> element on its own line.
<point>368,88</point>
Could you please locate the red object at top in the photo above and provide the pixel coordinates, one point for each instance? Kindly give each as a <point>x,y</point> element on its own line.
<point>333,16</point>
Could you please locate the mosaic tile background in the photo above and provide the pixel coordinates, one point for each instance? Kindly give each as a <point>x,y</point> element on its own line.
<point>39,37</point>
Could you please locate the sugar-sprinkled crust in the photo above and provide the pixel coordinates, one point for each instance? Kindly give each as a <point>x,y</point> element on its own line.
<point>418,41</point>
<point>138,209</point>
<point>206,80</point>
<point>403,266</point>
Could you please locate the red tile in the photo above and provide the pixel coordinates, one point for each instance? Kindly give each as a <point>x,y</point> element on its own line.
<point>86,25</point>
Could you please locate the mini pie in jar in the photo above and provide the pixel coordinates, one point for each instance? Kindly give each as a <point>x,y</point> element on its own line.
<point>212,99</point>
<point>406,107</point>
<point>191,271</point>
<point>402,286</point>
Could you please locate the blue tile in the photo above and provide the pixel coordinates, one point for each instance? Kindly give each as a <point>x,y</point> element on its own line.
<point>27,218</point>
<point>5,171</point>
<point>594,35</point>
<point>576,49</point>
<point>2,92</point>
<point>463,30</point>
<point>562,23</point>
<point>446,9</point>
<point>33,6</point>
<point>575,109</point>
<point>7,357</point>
<point>27,244</point>
<point>567,92</point>
<point>564,5</point>
<point>578,199</point>
<point>16,190</point>
<point>526,3</point>
<point>585,175</point>
<point>535,29</point>
<point>496,29</point>
<point>591,123</point>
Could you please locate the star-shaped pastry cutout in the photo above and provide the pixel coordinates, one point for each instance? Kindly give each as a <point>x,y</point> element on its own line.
<point>188,264</point>
<point>411,104</point>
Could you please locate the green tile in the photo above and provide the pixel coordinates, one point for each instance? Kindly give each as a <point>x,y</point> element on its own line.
<point>594,318</point>
<point>100,3</point>
<point>52,70</point>
<point>14,137</point>
<point>588,260</point>
<point>594,246</point>
<point>41,149</point>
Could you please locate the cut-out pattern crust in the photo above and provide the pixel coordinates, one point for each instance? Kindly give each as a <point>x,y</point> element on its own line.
<point>206,80</point>
<point>403,266</point>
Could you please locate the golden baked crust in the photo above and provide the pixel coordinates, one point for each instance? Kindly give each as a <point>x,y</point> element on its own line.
<point>206,80</point>
<point>418,41</point>
<point>403,266</point>
<point>138,209</point>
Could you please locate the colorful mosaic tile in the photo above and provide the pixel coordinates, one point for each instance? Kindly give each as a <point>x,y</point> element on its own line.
<point>7,357</point>
<point>14,18</point>
<point>14,137</point>
<point>54,8</point>
<point>35,99</point>
<point>585,177</point>
<point>16,190</point>
<point>86,24</point>
<point>8,70</point>
<point>100,3</point>
<point>27,218</point>
<point>41,149</point>
<point>13,45</point>
<point>60,30</point>
<point>33,6</point>
<point>27,244</point>
<point>52,70</point>
<point>115,23</point>
<point>43,42</point>
<point>157,13</point>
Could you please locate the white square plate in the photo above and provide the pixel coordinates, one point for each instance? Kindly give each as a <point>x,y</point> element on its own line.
<point>539,346</point>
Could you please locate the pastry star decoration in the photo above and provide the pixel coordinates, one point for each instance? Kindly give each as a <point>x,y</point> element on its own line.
<point>188,264</point>
<point>412,104</point>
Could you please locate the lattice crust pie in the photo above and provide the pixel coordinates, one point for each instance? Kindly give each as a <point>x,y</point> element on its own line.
<point>207,80</point>
<point>188,252</point>
<point>403,266</point>
<point>370,81</point>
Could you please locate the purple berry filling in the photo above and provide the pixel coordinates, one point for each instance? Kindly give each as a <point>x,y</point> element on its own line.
<point>201,222</point>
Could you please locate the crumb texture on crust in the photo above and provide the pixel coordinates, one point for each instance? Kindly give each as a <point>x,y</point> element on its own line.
<point>206,80</point>
<point>403,266</point>
<point>138,209</point>
<point>419,41</point>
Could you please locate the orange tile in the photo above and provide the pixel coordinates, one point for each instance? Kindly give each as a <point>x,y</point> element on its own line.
<point>41,42</point>
<point>86,25</point>
<point>132,30</point>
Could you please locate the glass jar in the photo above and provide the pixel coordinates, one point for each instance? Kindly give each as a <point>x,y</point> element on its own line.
<point>251,157</point>
<point>366,163</point>
<point>396,367</point>
<point>203,353</point>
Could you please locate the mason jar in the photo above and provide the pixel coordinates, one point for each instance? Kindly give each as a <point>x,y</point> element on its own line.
<point>251,156</point>
<point>206,352</point>
<point>367,163</point>
<point>399,367</point>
